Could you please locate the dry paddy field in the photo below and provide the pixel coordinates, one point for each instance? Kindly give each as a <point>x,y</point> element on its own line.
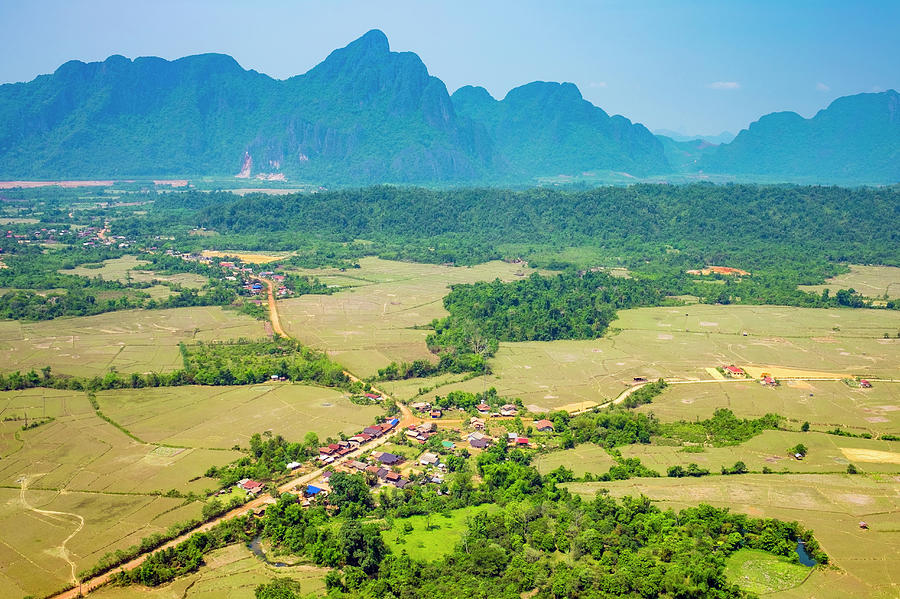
<point>832,505</point>
<point>581,459</point>
<point>221,417</point>
<point>76,488</point>
<point>247,257</point>
<point>130,269</point>
<point>824,404</point>
<point>130,341</point>
<point>370,325</point>
<point>870,281</point>
<point>827,453</point>
<point>103,485</point>
<point>681,343</point>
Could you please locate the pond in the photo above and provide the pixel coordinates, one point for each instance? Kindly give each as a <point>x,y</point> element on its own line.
<point>805,559</point>
<point>256,547</point>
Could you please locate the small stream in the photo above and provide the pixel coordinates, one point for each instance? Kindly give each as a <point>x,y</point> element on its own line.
<point>256,547</point>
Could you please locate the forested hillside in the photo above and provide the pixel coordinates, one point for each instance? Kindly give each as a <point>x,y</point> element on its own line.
<point>747,226</point>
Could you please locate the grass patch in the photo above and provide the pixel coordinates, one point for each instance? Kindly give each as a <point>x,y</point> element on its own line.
<point>410,534</point>
<point>759,572</point>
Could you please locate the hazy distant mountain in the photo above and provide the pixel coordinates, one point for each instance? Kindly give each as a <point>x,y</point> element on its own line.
<point>548,129</point>
<point>364,115</point>
<point>369,115</point>
<point>685,156</point>
<point>722,138</point>
<point>855,140</point>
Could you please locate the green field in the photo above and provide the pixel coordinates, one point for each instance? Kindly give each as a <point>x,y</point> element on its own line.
<point>832,505</point>
<point>370,325</point>
<point>128,269</point>
<point>682,343</point>
<point>761,573</point>
<point>221,417</point>
<point>877,282</point>
<point>824,404</point>
<point>423,544</point>
<point>129,341</point>
<point>232,572</point>
<point>580,460</point>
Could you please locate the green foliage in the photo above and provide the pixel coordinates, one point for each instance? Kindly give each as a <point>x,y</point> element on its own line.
<point>738,468</point>
<point>798,449</point>
<point>245,362</point>
<point>267,459</point>
<point>724,428</point>
<point>787,233</point>
<point>278,588</point>
<point>691,470</point>
<point>838,431</point>
<point>645,394</point>
<point>186,557</point>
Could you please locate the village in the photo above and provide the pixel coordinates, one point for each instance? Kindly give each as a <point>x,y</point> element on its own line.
<point>422,453</point>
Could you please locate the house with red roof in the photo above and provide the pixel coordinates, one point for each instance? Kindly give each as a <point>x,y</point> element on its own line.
<point>543,425</point>
<point>734,371</point>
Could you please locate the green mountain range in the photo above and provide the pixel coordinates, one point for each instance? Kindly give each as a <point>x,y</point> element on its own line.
<point>855,140</point>
<point>369,115</point>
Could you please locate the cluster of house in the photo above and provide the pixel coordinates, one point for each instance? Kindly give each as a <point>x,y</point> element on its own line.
<point>383,461</point>
<point>420,433</point>
<point>332,451</point>
<point>253,287</point>
<point>505,410</point>
<point>421,406</point>
<point>88,236</point>
<point>252,487</point>
<point>478,440</point>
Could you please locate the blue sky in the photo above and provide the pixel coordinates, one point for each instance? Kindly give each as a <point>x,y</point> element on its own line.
<point>695,66</point>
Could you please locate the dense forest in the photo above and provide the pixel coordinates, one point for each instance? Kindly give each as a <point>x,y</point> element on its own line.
<point>746,226</point>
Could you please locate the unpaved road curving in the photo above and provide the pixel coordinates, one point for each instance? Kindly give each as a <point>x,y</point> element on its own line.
<point>54,515</point>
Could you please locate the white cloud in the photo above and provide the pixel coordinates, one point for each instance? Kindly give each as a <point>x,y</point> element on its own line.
<point>597,84</point>
<point>724,85</point>
<point>822,87</point>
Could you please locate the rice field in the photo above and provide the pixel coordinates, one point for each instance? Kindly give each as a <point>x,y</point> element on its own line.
<point>129,341</point>
<point>222,417</point>
<point>130,269</point>
<point>824,404</point>
<point>827,453</point>
<point>681,343</point>
<point>371,324</point>
<point>877,282</point>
